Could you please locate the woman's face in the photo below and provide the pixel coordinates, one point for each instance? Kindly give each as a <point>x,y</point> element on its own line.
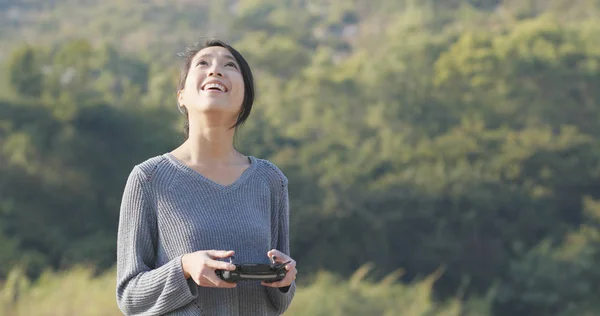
<point>214,83</point>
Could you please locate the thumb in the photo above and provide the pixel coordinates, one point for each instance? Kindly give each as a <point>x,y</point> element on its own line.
<point>280,256</point>
<point>213,254</point>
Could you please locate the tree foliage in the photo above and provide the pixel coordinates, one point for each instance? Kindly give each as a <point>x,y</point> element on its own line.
<point>453,135</point>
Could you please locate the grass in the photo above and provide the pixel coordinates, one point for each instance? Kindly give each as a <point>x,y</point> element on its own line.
<point>79,292</point>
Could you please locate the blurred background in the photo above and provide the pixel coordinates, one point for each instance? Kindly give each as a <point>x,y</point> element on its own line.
<point>443,155</point>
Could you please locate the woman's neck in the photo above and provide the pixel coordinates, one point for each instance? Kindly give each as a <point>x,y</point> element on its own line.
<point>209,146</point>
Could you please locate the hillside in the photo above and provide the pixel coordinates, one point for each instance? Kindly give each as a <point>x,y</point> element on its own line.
<point>426,136</point>
<point>163,27</point>
<point>160,26</point>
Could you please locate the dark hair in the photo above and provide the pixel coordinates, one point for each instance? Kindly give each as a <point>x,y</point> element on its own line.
<point>246,75</point>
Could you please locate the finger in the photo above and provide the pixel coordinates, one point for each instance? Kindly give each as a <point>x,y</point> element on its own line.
<point>227,285</point>
<point>220,254</point>
<point>290,266</point>
<point>289,278</point>
<point>273,284</point>
<point>285,282</point>
<point>221,265</point>
<point>215,281</point>
<point>279,256</point>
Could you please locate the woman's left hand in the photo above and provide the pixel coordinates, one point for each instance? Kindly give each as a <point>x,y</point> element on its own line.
<point>290,276</point>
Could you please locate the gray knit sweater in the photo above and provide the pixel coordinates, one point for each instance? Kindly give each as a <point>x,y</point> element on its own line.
<point>169,209</point>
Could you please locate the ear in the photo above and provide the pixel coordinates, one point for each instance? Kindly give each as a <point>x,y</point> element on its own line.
<point>180,96</point>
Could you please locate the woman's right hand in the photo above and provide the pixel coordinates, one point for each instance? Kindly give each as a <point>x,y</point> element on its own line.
<point>201,266</point>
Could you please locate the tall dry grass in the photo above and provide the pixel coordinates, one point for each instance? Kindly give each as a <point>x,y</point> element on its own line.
<point>77,292</point>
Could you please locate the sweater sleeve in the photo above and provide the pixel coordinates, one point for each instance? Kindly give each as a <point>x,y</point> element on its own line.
<point>142,288</point>
<point>282,297</point>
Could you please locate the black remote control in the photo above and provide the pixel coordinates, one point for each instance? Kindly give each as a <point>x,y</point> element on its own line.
<point>254,271</point>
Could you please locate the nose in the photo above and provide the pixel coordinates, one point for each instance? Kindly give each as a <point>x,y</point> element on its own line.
<point>215,70</point>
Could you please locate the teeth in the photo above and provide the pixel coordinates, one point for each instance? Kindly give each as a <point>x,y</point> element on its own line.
<point>214,85</point>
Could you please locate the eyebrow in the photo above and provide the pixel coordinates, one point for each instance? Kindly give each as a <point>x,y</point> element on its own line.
<point>210,55</point>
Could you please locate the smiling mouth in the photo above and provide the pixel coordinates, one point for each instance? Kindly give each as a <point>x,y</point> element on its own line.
<point>214,87</point>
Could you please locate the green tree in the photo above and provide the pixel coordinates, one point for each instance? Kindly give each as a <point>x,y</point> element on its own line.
<point>25,71</point>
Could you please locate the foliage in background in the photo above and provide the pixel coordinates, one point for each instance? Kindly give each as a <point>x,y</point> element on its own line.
<point>415,134</point>
<point>82,293</point>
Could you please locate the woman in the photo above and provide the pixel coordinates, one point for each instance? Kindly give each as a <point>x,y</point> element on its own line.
<point>186,212</point>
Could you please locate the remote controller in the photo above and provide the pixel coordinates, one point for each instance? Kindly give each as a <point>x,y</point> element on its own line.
<point>254,271</point>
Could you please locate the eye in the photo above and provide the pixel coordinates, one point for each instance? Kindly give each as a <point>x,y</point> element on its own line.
<point>201,62</point>
<point>232,64</point>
